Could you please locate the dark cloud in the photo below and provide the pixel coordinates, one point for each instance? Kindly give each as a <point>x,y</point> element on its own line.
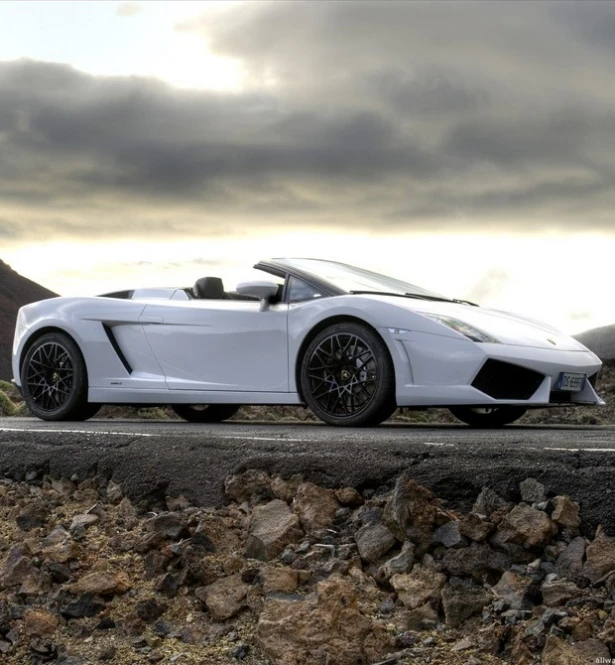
<point>381,115</point>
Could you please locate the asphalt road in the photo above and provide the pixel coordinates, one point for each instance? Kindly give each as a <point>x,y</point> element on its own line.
<point>153,458</point>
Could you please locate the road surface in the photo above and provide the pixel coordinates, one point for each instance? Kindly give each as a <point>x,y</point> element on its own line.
<point>153,458</point>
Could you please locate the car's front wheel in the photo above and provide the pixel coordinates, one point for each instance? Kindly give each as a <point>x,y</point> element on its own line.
<point>495,416</point>
<point>54,380</point>
<point>205,413</point>
<point>347,376</point>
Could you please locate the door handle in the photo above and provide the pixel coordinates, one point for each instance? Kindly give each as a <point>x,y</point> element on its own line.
<point>152,319</point>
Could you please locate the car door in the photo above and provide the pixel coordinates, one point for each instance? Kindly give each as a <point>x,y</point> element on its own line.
<point>220,344</point>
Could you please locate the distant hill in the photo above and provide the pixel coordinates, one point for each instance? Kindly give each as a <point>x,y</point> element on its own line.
<point>15,291</point>
<point>600,340</point>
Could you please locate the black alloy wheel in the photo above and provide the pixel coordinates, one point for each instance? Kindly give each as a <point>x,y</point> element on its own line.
<point>347,376</point>
<point>492,416</point>
<point>205,413</point>
<point>54,380</point>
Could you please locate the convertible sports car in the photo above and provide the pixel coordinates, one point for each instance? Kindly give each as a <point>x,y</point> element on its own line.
<point>350,344</point>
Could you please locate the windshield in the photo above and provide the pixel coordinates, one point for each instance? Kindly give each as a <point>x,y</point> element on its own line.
<point>351,279</point>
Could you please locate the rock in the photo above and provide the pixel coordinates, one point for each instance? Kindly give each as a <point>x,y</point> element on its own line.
<point>559,652</point>
<point>373,541</point>
<point>114,492</point>
<point>570,562</point>
<point>17,567</point>
<point>59,547</point>
<point>279,580</point>
<point>556,592</point>
<point>515,590</point>
<point>59,572</point>
<point>241,652</point>
<point>169,525</point>
<point>477,560</point>
<point>168,586</point>
<point>475,527</point>
<point>400,564</point>
<point>325,627</point>
<point>566,512</point>
<point>424,617</point>
<point>272,527</point>
<point>39,622</point>
<point>316,506</point>
<point>101,583</point>
<point>527,526</point>
<point>155,563</point>
<point>285,489</point>
<point>463,644</point>
<point>82,607</point>
<point>410,513</point>
<point>600,557</point>
<point>82,522</point>
<point>242,486</point>
<point>224,598</point>
<point>532,491</point>
<point>348,496</point>
<point>32,516</point>
<point>488,502</point>
<point>449,534</point>
<point>461,599</point>
<point>419,586</point>
<point>149,610</point>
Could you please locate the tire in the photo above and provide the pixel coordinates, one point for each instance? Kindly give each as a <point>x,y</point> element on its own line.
<point>496,416</point>
<point>54,380</point>
<point>205,413</point>
<point>347,376</point>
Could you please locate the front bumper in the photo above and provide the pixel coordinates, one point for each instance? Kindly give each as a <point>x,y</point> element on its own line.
<point>441,371</point>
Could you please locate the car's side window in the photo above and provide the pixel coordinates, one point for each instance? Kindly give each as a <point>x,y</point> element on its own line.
<point>298,290</point>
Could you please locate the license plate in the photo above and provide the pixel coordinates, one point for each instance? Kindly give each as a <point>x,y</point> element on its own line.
<point>572,383</point>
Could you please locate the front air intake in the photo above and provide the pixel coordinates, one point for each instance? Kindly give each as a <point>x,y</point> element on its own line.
<point>502,380</point>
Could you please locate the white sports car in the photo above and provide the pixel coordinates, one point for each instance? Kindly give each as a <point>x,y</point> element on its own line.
<point>350,344</point>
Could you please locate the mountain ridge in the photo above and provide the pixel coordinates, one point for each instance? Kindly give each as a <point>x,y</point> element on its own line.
<point>15,292</point>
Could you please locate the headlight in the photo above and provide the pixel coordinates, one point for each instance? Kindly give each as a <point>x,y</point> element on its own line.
<point>464,328</point>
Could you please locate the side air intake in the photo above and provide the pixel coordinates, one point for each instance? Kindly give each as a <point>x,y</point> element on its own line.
<point>502,380</point>
<point>117,349</point>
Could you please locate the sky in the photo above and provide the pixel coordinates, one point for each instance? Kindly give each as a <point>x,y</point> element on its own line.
<point>468,147</point>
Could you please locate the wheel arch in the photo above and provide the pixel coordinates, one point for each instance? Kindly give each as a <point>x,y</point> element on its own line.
<point>320,326</point>
<point>40,332</point>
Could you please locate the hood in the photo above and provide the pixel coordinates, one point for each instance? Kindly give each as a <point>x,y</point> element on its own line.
<point>506,327</point>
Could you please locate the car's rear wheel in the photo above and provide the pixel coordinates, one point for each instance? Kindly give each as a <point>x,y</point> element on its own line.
<point>495,416</point>
<point>54,380</point>
<point>205,413</point>
<point>347,376</point>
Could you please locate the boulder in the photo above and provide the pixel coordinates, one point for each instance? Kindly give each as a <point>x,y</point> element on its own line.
<point>225,597</point>
<point>279,580</point>
<point>400,564</point>
<point>532,491</point>
<point>39,622</point>
<point>569,563</point>
<point>461,599</point>
<point>101,583</point>
<point>566,512</point>
<point>600,557</point>
<point>326,627</point>
<point>515,590</point>
<point>475,527</point>
<point>476,560</point>
<point>272,527</point>
<point>411,511</point>
<point>488,502</point>
<point>559,652</point>
<point>421,585</point>
<point>449,534</point>
<point>555,593</point>
<point>526,526</point>
<point>17,567</point>
<point>169,525</point>
<point>316,506</point>
<point>373,541</point>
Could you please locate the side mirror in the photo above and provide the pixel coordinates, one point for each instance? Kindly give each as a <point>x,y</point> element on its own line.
<point>264,291</point>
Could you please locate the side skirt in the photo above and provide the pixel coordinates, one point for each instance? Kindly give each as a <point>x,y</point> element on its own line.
<point>133,396</point>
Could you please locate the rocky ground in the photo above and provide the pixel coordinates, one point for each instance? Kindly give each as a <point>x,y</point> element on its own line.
<point>290,573</point>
